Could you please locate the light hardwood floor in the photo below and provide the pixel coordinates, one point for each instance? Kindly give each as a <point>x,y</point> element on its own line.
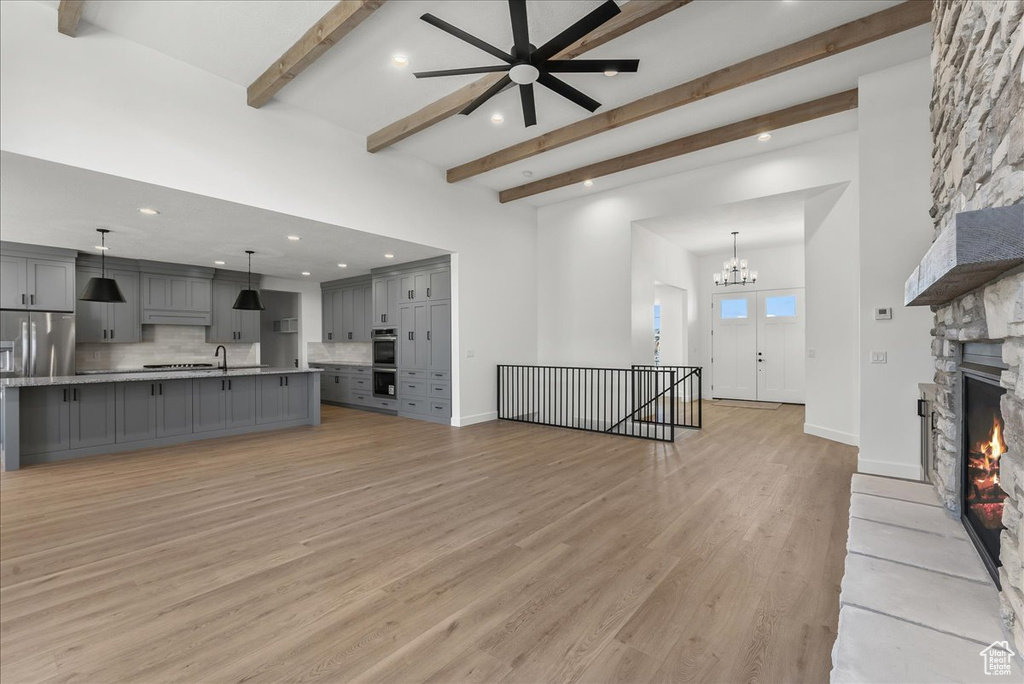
<point>377,549</point>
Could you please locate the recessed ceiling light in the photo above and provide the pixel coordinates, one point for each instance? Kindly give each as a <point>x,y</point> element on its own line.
<point>305,273</point>
<point>102,248</point>
<point>611,72</point>
<point>764,137</point>
<point>389,256</point>
<point>342,265</point>
<point>400,61</point>
<point>497,118</point>
<point>527,174</point>
<point>588,183</point>
<point>147,211</point>
<point>294,237</point>
<point>219,263</point>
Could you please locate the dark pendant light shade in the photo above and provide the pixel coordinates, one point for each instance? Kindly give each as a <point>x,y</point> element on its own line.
<point>103,289</point>
<point>249,299</point>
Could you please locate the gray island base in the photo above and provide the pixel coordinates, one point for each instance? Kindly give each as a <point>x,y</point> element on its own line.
<point>58,418</point>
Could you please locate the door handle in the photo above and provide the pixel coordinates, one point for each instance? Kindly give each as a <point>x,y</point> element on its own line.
<point>221,385</point>
<point>286,381</point>
<point>161,389</point>
<point>921,407</point>
<point>74,394</point>
<point>32,299</point>
<point>229,385</point>
<point>280,381</point>
<point>23,299</point>
<point>152,390</point>
<point>111,333</point>
<point>65,394</point>
<point>104,333</point>
<point>428,336</point>
<point>411,335</point>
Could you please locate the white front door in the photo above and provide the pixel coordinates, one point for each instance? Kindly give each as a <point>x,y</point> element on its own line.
<point>780,346</point>
<point>734,346</point>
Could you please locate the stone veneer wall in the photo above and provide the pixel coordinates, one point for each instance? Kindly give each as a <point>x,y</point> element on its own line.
<point>978,163</point>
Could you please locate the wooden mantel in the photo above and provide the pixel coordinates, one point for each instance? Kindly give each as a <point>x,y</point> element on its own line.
<point>979,246</point>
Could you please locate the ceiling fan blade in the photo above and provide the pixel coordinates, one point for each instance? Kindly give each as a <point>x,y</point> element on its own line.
<point>472,40</point>
<point>568,92</point>
<point>460,72</point>
<point>520,28</point>
<point>587,66</point>
<point>505,81</point>
<point>570,35</point>
<point>529,108</point>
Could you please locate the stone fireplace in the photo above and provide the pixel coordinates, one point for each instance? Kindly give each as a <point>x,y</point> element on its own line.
<point>973,278</point>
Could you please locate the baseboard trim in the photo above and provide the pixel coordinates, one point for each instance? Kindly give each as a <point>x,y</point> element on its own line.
<point>465,421</point>
<point>834,435</point>
<point>906,471</point>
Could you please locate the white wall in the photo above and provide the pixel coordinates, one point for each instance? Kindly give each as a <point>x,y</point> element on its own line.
<point>777,268</point>
<point>310,314</point>
<point>104,103</point>
<point>831,221</point>
<point>895,230</point>
<point>654,260</point>
<point>585,262</point>
<point>675,322</point>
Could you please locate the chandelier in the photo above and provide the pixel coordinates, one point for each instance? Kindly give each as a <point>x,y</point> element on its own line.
<point>735,271</point>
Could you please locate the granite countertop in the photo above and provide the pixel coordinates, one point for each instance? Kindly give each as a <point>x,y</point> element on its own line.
<point>332,364</point>
<point>148,376</point>
<point>119,371</point>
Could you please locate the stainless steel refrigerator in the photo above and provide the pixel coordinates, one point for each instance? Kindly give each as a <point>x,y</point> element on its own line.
<point>36,344</point>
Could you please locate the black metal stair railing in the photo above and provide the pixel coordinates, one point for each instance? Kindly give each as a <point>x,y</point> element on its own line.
<point>631,402</point>
<point>689,389</point>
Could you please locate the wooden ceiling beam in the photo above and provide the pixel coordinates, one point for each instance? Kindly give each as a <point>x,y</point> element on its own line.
<point>69,13</point>
<point>833,104</point>
<point>839,39</point>
<point>339,21</point>
<point>634,14</point>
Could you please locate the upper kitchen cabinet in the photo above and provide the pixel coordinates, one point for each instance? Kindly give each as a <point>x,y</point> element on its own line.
<point>109,323</point>
<point>425,285</point>
<point>385,300</point>
<point>36,278</point>
<point>230,325</point>
<point>176,295</point>
<point>347,307</point>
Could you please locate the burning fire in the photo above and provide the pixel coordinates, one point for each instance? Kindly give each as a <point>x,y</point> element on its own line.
<point>985,497</point>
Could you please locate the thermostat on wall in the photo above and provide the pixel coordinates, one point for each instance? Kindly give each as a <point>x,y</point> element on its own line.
<point>883,314</point>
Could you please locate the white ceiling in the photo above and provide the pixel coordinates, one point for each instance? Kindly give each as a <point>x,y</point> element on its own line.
<point>356,86</point>
<point>44,203</point>
<point>772,221</point>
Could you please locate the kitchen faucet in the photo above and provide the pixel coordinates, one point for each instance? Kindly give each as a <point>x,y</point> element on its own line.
<point>216,354</point>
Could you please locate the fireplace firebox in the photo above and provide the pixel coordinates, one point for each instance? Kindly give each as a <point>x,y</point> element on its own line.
<point>982,498</point>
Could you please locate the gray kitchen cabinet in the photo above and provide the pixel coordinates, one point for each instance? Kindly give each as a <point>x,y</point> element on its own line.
<point>93,410</point>
<point>413,288</point>
<point>241,401</point>
<point>45,421</point>
<point>176,299</point>
<point>332,386</point>
<point>347,313</point>
<point>327,315</point>
<point>296,396</point>
<point>227,324</point>
<point>209,404</point>
<point>385,300</point>
<point>173,408</point>
<point>439,284</point>
<point>360,330</point>
<point>136,411</point>
<point>343,315</point>
<point>13,282</point>
<point>37,284</point>
<point>98,322</point>
<point>270,399</point>
<point>439,336</point>
<point>413,336</point>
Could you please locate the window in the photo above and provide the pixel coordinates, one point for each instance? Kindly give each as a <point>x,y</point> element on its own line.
<point>780,307</point>
<point>733,308</point>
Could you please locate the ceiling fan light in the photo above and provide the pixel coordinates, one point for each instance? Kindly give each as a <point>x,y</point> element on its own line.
<point>524,74</point>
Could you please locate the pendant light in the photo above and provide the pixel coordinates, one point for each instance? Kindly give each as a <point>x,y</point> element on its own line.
<point>103,289</point>
<point>735,271</point>
<point>249,299</point>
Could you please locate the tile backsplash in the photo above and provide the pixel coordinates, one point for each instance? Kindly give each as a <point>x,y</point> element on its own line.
<point>339,352</point>
<point>162,344</point>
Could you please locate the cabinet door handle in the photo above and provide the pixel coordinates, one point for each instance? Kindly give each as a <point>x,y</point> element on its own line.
<point>286,381</point>
<point>161,389</point>
<point>330,335</point>
<point>104,333</point>
<point>221,385</point>
<point>22,299</point>
<point>152,390</point>
<point>229,385</point>
<point>65,394</point>
<point>350,336</point>
<point>428,293</point>
<point>280,381</point>
<point>74,394</point>
<point>428,336</point>
<point>410,335</point>
<point>111,333</point>
<point>32,299</point>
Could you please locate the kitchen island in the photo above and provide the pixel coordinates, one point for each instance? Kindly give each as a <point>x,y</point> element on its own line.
<point>56,418</point>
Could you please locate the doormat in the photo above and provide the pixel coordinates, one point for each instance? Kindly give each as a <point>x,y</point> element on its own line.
<point>739,403</point>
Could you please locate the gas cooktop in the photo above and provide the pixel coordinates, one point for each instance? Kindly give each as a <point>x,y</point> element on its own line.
<point>175,366</point>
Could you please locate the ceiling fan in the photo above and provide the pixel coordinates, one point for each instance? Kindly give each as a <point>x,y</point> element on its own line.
<point>527,64</point>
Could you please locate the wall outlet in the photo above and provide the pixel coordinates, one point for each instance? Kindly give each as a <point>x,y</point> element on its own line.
<point>878,357</point>
<point>812,353</point>
<point>470,353</point>
<point>96,356</point>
